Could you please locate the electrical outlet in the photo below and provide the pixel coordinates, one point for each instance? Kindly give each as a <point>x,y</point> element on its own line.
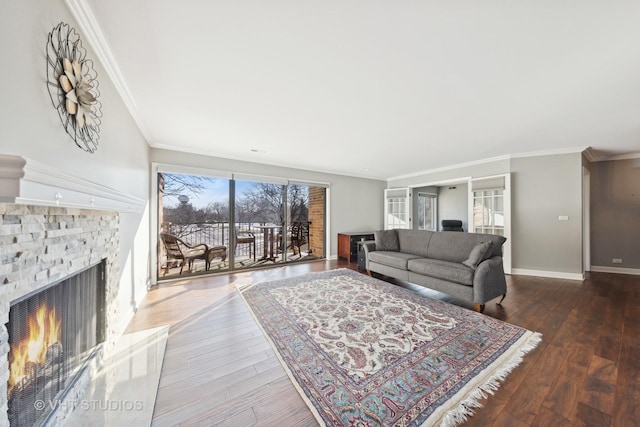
<point>563,218</point>
<point>617,260</point>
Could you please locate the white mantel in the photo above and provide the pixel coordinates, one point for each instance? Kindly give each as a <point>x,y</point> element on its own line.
<point>25,181</point>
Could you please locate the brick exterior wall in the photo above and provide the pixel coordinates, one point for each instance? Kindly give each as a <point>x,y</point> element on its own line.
<point>316,216</point>
<point>41,245</point>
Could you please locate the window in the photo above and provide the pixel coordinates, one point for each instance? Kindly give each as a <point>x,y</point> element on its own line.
<point>397,209</point>
<point>488,211</point>
<point>427,211</point>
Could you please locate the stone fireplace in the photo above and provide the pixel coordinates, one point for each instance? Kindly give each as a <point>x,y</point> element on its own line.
<point>52,226</point>
<point>41,245</point>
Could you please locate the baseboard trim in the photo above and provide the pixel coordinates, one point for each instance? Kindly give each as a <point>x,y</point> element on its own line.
<point>616,270</point>
<point>551,274</point>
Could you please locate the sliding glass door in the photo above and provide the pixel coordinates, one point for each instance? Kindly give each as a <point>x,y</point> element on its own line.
<point>274,221</point>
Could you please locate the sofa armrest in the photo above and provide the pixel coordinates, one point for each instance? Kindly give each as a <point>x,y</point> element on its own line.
<point>489,281</point>
<point>368,246</point>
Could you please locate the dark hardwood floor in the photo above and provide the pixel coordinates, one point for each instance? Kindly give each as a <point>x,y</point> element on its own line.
<point>220,370</point>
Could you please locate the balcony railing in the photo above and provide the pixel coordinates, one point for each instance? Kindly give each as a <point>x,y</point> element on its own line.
<point>217,234</point>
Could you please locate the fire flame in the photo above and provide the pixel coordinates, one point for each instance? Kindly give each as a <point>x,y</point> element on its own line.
<point>43,331</point>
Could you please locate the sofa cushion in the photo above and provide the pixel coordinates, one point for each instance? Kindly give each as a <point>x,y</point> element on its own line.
<point>414,241</point>
<point>479,253</point>
<point>456,247</point>
<point>391,258</point>
<point>386,240</point>
<point>445,270</point>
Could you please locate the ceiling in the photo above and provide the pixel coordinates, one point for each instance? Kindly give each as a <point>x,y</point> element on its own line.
<point>377,89</point>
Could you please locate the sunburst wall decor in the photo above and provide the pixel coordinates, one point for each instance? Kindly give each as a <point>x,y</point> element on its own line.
<point>73,87</point>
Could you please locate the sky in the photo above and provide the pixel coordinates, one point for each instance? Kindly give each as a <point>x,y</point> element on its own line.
<point>216,190</point>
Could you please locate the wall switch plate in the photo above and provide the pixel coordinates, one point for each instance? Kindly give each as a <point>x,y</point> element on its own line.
<point>617,260</point>
<point>563,218</point>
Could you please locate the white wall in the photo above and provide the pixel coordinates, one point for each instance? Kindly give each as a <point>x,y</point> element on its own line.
<point>356,203</point>
<point>30,127</point>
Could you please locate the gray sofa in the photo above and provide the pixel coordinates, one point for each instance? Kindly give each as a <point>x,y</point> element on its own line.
<point>464,265</point>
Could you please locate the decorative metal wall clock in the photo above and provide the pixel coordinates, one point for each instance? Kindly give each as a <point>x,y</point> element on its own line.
<point>73,87</point>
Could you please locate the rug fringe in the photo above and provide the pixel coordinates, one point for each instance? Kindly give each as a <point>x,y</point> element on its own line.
<point>467,407</point>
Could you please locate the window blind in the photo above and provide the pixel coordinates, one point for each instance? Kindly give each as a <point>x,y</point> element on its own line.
<point>488,184</point>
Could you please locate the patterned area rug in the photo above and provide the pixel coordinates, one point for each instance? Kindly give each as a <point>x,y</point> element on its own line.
<point>363,352</point>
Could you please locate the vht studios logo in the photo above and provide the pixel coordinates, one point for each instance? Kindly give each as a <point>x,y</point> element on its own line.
<point>91,405</point>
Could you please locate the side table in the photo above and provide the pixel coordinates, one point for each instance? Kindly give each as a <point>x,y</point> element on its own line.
<point>347,244</point>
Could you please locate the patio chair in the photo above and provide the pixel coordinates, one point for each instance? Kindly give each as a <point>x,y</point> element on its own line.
<point>297,236</point>
<point>246,238</point>
<point>178,249</point>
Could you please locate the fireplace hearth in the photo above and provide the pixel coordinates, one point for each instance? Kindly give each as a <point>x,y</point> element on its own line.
<point>52,333</point>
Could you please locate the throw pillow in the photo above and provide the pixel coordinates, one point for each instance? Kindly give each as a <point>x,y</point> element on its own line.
<point>386,240</point>
<point>478,254</point>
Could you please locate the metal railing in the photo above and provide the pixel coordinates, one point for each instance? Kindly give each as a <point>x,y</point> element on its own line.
<point>217,234</point>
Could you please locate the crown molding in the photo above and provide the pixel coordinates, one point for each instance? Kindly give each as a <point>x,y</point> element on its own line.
<point>451,167</point>
<point>590,155</point>
<point>629,156</point>
<point>27,182</point>
<point>555,152</point>
<point>83,14</point>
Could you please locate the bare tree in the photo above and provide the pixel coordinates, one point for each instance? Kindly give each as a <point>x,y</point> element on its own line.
<point>217,211</point>
<point>298,196</point>
<point>264,203</point>
<point>175,185</point>
<point>261,204</point>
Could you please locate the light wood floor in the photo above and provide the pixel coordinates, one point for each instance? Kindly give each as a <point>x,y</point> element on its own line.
<point>219,369</point>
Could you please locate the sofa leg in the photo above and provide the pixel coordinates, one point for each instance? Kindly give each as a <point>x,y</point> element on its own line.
<point>368,272</point>
<point>502,299</point>
<point>478,307</point>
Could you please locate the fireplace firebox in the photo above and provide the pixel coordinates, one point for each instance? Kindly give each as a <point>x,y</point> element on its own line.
<point>52,334</point>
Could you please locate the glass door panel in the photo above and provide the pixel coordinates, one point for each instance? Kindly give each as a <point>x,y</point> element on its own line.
<point>193,219</point>
<point>306,222</point>
<point>260,214</point>
<point>397,208</point>
<point>427,211</point>
<point>488,212</point>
